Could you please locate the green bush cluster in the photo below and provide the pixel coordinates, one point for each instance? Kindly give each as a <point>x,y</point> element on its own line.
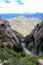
<point>32,60</point>
<point>30,46</point>
<point>14,58</point>
<point>11,57</point>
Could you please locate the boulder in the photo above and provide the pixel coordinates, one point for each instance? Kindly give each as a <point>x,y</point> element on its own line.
<point>40,62</point>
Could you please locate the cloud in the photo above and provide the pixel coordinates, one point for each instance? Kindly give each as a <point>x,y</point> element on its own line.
<point>9,1</point>
<point>19,2</point>
<point>14,6</point>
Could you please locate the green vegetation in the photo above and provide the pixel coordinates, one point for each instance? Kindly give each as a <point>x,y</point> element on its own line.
<point>30,46</point>
<point>10,57</point>
<point>7,54</point>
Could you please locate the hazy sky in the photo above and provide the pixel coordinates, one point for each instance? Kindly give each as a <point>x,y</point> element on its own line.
<point>21,6</point>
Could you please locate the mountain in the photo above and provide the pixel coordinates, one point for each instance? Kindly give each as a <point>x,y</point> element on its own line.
<point>8,56</point>
<point>23,25</point>
<point>27,15</point>
<point>35,15</point>
<point>6,16</point>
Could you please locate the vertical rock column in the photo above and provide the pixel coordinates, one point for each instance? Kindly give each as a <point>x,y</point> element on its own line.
<point>2,29</point>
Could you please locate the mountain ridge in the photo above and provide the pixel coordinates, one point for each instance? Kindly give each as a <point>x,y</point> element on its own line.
<point>27,15</point>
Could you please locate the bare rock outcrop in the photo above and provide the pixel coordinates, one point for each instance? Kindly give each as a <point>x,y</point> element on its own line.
<point>10,37</point>
<point>36,36</point>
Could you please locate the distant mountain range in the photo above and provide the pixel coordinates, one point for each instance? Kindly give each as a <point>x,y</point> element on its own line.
<point>27,15</point>
<point>35,15</point>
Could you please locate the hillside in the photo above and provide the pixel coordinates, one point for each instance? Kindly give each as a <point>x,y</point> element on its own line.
<point>23,25</point>
<point>11,52</point>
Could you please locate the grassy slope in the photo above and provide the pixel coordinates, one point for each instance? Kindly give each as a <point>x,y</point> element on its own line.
<point>23,25</point>
<point>14,58</point>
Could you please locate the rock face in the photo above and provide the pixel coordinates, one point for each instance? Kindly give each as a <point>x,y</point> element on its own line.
<point>13,39</point>
<point>40,62</point>
<point>36,36</point>
<point>8,36</point>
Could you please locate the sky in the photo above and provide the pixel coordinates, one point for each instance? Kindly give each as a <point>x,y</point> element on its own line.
<point>21,6</point>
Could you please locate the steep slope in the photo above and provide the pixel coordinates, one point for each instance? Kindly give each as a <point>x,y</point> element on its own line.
<point>23,25</point>
<point>10,57</point>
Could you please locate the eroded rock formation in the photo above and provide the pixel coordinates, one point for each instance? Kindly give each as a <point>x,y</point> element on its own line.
<point>36,36</point>
<point>14,39</point>
<point>10,37</point>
